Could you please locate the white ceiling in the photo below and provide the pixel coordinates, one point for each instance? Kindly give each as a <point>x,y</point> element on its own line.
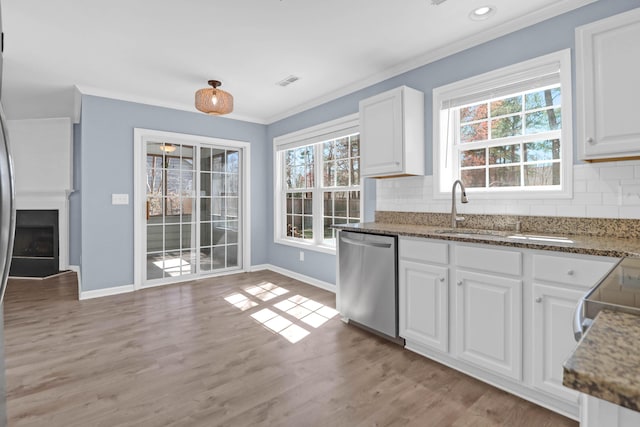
<point>161,51</point>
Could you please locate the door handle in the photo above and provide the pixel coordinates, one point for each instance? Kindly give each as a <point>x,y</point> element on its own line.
<point>578,321</point>
<point>7,204</point>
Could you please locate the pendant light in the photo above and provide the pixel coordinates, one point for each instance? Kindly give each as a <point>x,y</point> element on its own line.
<point>167,148</point>
<point>214,101</point>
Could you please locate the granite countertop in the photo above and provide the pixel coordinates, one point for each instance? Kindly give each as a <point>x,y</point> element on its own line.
<point>580,244</point>
<point>606,363</point>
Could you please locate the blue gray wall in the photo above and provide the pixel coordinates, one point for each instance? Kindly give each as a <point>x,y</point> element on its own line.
<point>106,167</point>
<point>540,39</point>
<point>106,157</point>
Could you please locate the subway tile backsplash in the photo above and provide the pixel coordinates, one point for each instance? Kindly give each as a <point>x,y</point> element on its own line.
<point>600,190</point>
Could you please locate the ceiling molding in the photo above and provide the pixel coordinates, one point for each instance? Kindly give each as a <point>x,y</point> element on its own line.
<point>437,54</point>
<point>433,55</point>
<point>102,93</point>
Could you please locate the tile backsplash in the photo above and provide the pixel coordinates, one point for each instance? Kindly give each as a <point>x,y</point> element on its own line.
<point>600,190</point>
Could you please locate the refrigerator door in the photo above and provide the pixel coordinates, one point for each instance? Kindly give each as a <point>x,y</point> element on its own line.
<point>7,206</point>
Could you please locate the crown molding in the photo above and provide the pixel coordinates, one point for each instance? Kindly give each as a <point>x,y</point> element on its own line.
<point>492,33</point>
<point>548,12</point>
<point>120,96</point>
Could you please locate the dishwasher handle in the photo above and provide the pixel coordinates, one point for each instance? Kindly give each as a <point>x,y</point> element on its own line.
<point>365,243</point>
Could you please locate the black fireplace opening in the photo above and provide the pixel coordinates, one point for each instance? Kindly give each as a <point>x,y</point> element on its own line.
<point>36,244</point>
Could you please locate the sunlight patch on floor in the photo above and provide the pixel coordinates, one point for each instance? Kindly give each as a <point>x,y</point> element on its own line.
<point>174,266</point>
<point>307,311</point>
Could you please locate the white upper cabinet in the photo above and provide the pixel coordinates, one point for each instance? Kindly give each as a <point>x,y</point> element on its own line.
<point>392,133</point>
<point>608,88</point>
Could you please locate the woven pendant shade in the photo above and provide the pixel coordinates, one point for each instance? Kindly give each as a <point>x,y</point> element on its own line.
<point>214,101</point>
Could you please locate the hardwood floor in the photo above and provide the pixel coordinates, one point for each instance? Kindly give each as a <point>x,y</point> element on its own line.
<point>183,355</point>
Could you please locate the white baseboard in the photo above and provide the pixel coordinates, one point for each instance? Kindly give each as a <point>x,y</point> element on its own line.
<point>106,292</point>
<point>301,277</point>
<point>76,268</point>
<point>260,267</point>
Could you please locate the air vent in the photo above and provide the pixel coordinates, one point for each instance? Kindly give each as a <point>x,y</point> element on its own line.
<point>288,80</point>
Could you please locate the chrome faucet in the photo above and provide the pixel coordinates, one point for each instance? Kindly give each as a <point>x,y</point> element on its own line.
<point>463,199</point>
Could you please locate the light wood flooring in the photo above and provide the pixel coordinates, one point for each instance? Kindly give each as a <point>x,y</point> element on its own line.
<point>182,355</point>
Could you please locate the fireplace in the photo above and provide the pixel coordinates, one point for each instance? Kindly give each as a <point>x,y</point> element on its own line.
<point>36,245</point>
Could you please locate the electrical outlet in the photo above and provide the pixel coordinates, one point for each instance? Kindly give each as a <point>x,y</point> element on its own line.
<point>301,256</point>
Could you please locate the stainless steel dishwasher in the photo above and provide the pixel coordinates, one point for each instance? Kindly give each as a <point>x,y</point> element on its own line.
<point>368,282</point>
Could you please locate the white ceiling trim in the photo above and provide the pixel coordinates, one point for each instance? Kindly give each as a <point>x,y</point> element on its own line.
<point>419,61</point>
<point>94,91</point>
<point>437,54</point>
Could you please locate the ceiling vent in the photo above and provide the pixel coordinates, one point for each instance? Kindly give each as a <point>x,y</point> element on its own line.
<point>288,80</point>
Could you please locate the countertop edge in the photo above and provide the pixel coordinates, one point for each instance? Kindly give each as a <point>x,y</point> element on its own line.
<point>427,231</point>
<point>595,369</point>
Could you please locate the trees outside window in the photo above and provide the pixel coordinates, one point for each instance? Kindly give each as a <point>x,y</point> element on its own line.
<point>317,183</point>
<point>337,163</point>
<point>506,133</point>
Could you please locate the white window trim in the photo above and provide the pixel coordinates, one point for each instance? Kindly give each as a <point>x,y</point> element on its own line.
<point>311,135</point>
<point>497,78</point>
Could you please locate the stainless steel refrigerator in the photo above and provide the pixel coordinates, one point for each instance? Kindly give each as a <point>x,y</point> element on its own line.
<point>7,230</point>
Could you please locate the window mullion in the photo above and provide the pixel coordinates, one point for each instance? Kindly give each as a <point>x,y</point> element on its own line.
<point>318,223</point>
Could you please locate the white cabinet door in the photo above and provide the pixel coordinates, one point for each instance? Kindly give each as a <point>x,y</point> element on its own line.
<point>392,133</point>
<point>381,134</point>
<point>424,302</point>
<point>553,338</point>
<point>608,59</point>
<point>489,322</point>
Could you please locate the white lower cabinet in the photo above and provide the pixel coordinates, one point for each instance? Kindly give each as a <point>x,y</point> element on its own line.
<point>503,315</point>
<point>553,342</point>
<point>489,322</point>
<point>424,301</point>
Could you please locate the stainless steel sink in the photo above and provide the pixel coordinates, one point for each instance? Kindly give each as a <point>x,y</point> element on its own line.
<point>537,238</point>
<point>532,238</point>
<point>472,232</point>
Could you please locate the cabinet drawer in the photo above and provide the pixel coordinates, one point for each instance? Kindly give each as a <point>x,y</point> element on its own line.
<point>488,259</point>
<point>581,272</point>
<point>421,250</point>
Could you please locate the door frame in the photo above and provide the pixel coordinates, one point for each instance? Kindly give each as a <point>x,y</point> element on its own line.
<point>140,137</point>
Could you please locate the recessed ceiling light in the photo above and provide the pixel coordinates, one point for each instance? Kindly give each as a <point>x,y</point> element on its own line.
<point>480,13</point>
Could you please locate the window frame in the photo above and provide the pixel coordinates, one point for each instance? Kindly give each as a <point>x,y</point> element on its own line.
<point>320,133</point>
<point>446,169</point>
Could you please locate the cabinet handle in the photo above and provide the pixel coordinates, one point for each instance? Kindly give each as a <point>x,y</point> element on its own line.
<point>459,282</point>
<point>397,163</point>
<point>570,272</point>
<point>539,299</point>
<point>591,140</point>
<point>442,279</point>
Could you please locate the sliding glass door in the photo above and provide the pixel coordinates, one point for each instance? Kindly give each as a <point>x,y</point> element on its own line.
<point>219,208</point>
<point>193,210</point>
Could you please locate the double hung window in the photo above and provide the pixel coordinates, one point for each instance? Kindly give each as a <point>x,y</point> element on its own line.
<point>317,183</point>
<point>506,132</point>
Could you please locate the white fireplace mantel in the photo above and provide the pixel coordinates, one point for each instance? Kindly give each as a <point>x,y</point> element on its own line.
<point>42,157</point>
